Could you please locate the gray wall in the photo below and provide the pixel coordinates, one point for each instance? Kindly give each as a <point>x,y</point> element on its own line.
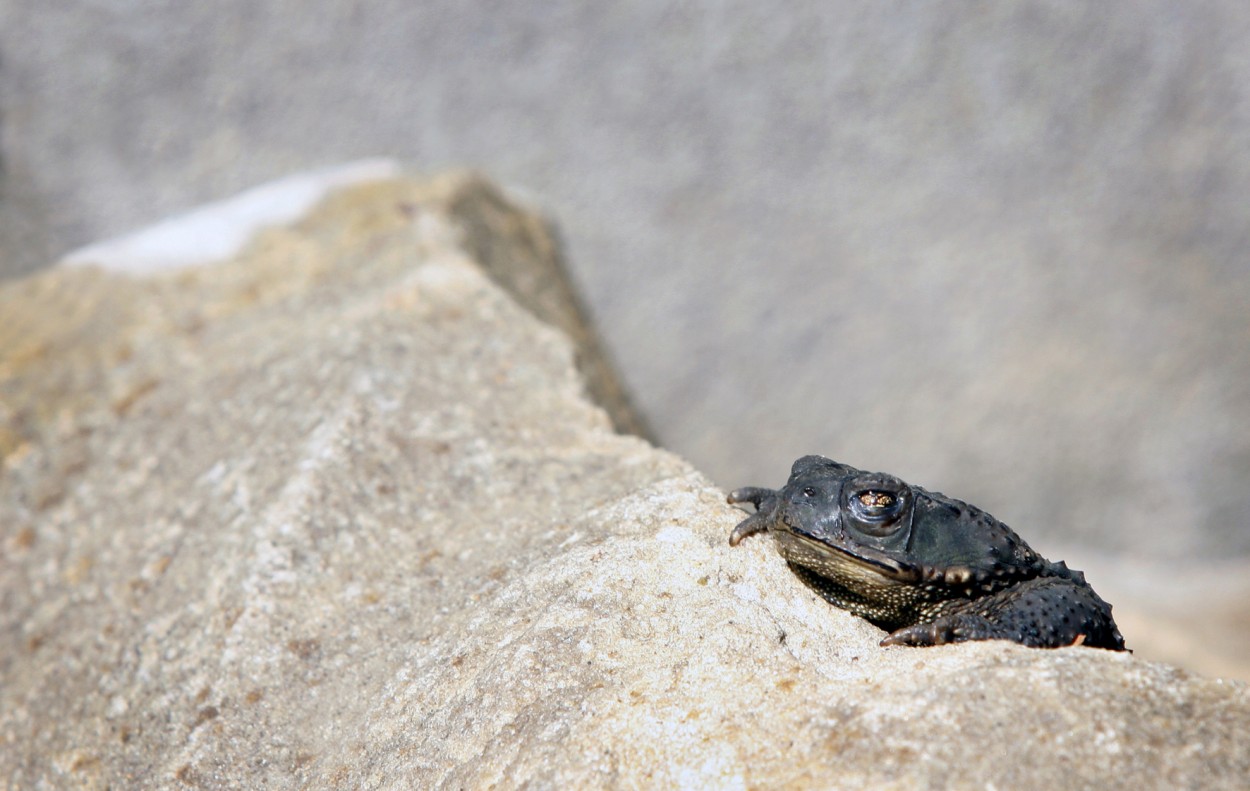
<point>996,248</point>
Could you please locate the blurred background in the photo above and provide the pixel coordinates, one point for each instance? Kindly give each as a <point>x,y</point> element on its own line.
<point>998,249</point>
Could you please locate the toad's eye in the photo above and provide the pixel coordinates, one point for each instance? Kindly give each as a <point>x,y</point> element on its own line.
<point>809,492</point>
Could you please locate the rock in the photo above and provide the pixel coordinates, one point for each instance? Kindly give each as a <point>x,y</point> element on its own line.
<point>338,513</point>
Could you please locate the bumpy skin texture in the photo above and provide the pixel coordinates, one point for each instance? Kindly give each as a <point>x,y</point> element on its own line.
<point>927,568</point>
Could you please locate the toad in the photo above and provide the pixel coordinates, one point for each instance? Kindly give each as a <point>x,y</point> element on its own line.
<point>927,568</point>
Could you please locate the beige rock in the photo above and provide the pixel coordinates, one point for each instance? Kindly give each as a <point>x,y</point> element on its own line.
<point>338,514</point>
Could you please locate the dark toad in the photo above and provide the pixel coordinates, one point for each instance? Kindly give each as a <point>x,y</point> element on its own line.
<point>927,568</point>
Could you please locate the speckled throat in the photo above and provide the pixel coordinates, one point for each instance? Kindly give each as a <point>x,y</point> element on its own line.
<point>884,590</point>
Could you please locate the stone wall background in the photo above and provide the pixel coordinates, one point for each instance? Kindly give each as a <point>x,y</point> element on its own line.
<point>995,248</point>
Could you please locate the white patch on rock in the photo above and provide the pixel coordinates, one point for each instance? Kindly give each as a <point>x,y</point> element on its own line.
<point>217,231</point>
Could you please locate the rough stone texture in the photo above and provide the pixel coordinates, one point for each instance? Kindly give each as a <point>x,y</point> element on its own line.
<point>515,248</point>
<point>995,248</point>
<point>338,515</point>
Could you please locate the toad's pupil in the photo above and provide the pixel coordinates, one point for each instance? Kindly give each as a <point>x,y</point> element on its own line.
<point>876,500</point>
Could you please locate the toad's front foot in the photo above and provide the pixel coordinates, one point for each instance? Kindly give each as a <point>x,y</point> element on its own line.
<point>764,500</point>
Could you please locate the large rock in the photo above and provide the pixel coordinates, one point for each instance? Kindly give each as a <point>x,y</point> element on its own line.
<point>338,513</point>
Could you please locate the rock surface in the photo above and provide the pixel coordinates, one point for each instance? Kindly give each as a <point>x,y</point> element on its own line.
<point>338,514</point>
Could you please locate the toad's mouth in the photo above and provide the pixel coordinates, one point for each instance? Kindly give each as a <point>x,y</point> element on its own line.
<point>823,556</point>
